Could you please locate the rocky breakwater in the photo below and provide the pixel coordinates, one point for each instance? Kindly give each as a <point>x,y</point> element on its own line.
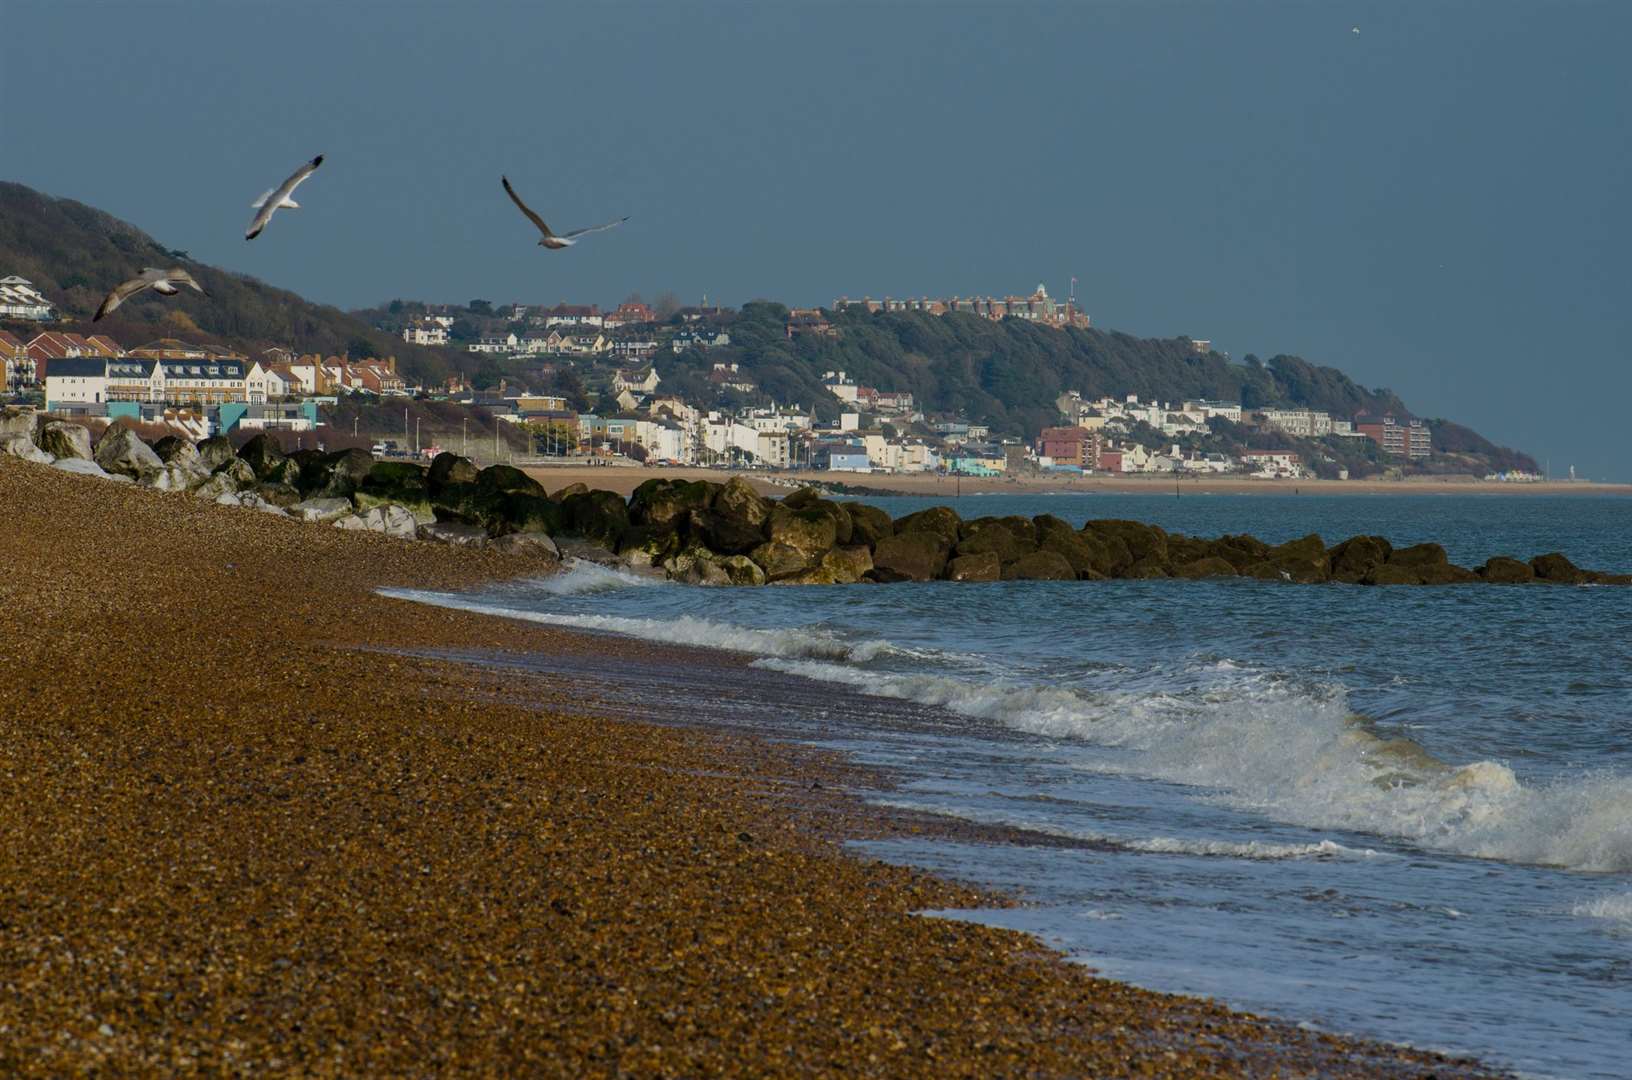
<point>708,533</point>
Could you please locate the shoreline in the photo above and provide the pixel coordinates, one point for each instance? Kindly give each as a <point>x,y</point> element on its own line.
<point>254,826</point>
<point>624,479</point>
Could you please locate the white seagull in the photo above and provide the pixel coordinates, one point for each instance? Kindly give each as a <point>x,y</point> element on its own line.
<point>163,282</point>
<point>550,239</point>
<point>278,198</point>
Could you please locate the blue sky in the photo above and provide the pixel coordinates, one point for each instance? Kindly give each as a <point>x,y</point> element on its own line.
<point>1437,204</point>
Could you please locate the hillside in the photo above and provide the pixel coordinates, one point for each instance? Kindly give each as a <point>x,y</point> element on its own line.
<point>74,254</point>
<point>1005,374</point>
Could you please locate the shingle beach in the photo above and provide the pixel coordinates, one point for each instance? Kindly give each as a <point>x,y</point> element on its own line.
<point>245,830</point>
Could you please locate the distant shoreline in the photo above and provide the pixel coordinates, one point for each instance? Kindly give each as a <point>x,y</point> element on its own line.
<point>624,479</point>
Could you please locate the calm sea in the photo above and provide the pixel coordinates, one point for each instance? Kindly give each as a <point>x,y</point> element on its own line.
<point>1403,813</point>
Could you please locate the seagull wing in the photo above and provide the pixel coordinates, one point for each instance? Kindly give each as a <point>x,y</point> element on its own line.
<point>121,293</point>
<point>268,203</point>
<point>178,276</point>
<point>524,208</point>
<point>595,228</point>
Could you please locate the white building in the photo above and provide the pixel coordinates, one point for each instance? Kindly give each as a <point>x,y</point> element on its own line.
<point>79,380</point>
<point>20,300</point>
<point>1301,423</point>
<point>428,332</point>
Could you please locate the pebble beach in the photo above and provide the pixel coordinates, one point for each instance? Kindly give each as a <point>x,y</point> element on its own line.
<point>249,826</point>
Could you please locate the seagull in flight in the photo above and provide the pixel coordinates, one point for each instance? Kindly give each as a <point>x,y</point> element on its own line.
<point>163,282</point>
<point>278,198</point>
<point>550,239</point>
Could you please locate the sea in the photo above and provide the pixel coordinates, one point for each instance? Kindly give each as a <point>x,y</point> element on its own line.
<point>1398,813</point>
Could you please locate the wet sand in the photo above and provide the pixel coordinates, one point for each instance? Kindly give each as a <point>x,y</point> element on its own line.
<point>624,479</point>
<point>256,818</point>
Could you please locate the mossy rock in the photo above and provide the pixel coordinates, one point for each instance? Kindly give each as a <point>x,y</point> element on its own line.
<point>336,475</point>
<point>1205,567</point>
<point>1554,569</point>
<point>741,570</point>
<point>523,513</point>
<point>1150,567</point>
<point>648,545</point>
<point>723,532</point>
<point>868,524</point>
<point>601,516</point>
<point>911,556</point>
<point>816,575</point>
<point>399,482</point>
<point>848,564</point>
<point>1304,560</point>
<point>471,504</point>
<point>1394,574</point>
<point>281,495</point>
<point>738,499</point>
<point>668,502</point>
<point>1240,551</point>
<point>1356,557</point>
<point>1419,555</point>
<point>941,521</point>
<point>1182,550</point>
<point>1143,541</point>
<point>780,560</point>
<point>810,531</point>
<point>1082,552</point>
<point>994,538</point>
<point>1264,570</point>
<point>843,524</point>
<point>508,478</point>
<point>215,452</point>
<point>449,468</point>
<point>1446,574</point>
<point>980,566</point>
<point>1040,565</point>
<point>570,490</point>
<point>801,497</point>
<point>1502,570</point>
<point>262,453</point>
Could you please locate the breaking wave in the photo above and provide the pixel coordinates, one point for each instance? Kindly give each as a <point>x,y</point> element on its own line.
<point>1266,745</point>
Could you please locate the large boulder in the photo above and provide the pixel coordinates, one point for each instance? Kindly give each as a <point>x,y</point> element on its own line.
<point>848,564</point>
<point>283,496</point>
<point>64,440</point>
<point>18,421</point>
<point>601,516</point>
<point>1142,541</point>
<point>263,454</point>
<point>21,446</point>
<point>739,501</point>
<point>843,525</point>
<point>1554,569</point>
<point>648,545</point>
<point>320,510</point>
<point>1358,556</point>
<point>1082,552</point>
<point>1183,549</point>
<point>508,478</point>
<point>801,498</point>
<point>233,478</point>
<point>455,533</point>
<point>668,502</point>
<point>173,476</point>
<point>390,519</point>
<point>336,475</point>
<point>741,570</point>
<point>868,524</point>
<point>809,531</point>
<point>1205,567</point>
<point>941,521</point>
<point>122,451</point>
<point>1391,573</point>
<point>1446,573</point>
<point>534,544</point>
<point>1149,567</point>
<point>171,447</point>
<point>780,560</point>
<point>396,483</point>
<point>722,532</point>
<point>1239,551</point>
<point>1040,565</point>
<point>1419,555</point>
<point>215,452</point>
<point>1502,570</point>
<point>83,467</point>
<point>570,490</point>
<point>449,468</point>
<point>1303,560</point>
<point>470,504</point>
<point>915,555</point>
<point>993,537</point>
<point>522,513</point>
<point>981,566</point>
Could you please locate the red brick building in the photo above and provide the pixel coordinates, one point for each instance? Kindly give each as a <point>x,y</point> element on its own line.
<point>1071,446</point>
<point>1403,438</point>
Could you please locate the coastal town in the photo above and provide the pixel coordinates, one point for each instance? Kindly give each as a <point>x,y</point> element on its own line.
<point>616,408</point>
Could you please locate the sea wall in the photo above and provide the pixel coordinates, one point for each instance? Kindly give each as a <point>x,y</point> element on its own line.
<point>709,533</point>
